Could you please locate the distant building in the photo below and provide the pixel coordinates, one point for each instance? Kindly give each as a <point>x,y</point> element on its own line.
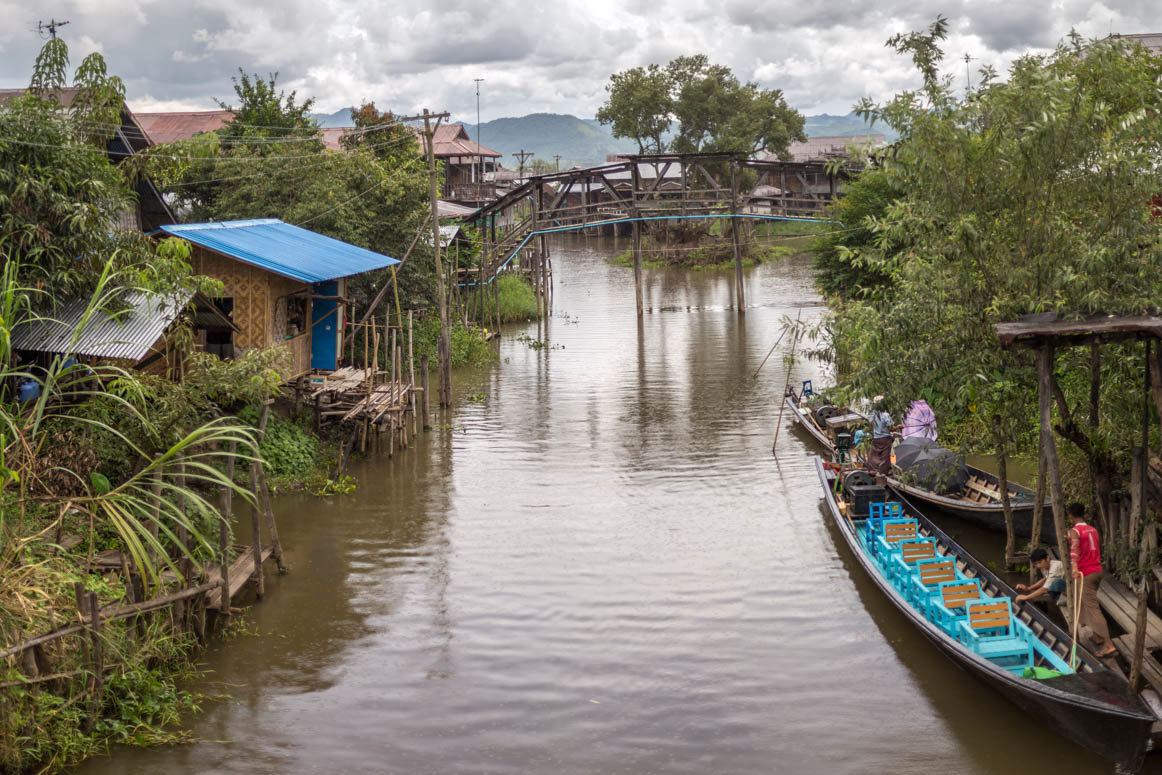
<point>1151,41</point>
<point>170,127</point>
<point>129,139</point>
<point>466,163</point>
<point>828,148</point>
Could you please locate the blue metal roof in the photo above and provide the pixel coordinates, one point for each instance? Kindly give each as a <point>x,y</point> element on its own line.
<point>279,247</point>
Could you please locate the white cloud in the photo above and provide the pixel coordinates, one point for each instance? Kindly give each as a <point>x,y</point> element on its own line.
<point>553,57</point>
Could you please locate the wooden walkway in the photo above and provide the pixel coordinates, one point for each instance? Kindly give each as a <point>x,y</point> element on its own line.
<point>1121,605</point>
<point>240,572</point>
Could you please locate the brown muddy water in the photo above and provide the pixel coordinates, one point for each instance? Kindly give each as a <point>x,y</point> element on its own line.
<point>598,567</point>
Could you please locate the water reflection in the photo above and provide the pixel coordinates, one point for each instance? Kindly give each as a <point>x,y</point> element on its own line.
<point>598,568</point>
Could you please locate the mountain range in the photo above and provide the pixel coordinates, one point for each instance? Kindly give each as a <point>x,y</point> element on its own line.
<point>585,142</point>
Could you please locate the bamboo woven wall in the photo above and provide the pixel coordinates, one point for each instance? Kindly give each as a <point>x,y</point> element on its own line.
<point>258,296</point>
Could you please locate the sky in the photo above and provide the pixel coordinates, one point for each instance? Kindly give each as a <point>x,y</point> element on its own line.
<point>551,56</point>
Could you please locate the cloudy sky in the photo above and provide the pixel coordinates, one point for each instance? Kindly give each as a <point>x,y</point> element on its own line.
<point>551,56</point>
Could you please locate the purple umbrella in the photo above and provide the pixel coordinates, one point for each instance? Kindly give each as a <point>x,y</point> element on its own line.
<point>920,421</point>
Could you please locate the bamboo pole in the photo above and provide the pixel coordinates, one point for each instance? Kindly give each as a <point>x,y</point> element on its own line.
<point>226,502</point>
<point>255,526</point>
<point>786,384</point>
<point>424,388</point>
<point>443,351</point>
<point>98,657</point>
<point>411,373</point>
<point>271,526</point>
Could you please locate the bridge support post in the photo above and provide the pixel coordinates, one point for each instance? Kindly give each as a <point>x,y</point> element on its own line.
<point>637,266</point>
<point>545,275</point>
<point>739,294</point>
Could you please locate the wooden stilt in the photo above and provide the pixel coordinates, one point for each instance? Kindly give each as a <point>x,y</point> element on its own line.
<point>98,657</point>
<point>1045,360</point>
<point>411,373</point>
<point>637,267</point>
<point>424,387</point>
<point>226,502</point>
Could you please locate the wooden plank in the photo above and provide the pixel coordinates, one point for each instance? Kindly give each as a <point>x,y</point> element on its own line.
<point>1122,606</point>
<point>1151,669</point>
<point>239,573</point>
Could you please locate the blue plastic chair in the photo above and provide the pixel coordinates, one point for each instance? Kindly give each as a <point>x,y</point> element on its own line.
<point>990,630</point>
<point>925,582</point>
<point>946,607</point>
<point>904,560</point>
<point>893,532</point>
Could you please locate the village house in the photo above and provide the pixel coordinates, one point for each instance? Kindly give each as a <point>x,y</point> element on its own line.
<point>134,329</point>
<point>129,138</point>
<point>283,285</point>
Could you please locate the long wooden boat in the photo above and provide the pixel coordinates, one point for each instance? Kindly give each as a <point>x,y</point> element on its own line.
<point>979,502</point>
<point>1091,704</point>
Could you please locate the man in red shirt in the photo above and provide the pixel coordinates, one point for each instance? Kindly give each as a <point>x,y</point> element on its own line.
<point>1085,558</point>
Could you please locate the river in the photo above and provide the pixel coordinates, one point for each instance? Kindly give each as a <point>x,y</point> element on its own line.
<point>595,565</point>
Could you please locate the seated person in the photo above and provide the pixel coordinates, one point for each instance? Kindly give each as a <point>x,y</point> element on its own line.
<point>1052,581</point>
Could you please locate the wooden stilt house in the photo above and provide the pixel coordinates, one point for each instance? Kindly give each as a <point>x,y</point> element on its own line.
<point>284,285</point>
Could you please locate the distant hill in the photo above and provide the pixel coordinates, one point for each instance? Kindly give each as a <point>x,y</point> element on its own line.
<point>584,141</point>
<point>341,117</point>
<point>578,142</point>
<point>824,125</point>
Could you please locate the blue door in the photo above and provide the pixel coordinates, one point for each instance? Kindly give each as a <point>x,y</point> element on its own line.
<point>325,327</point>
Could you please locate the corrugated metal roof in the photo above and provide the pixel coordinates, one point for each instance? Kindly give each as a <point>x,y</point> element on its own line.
<point>169,127</point>
<point>452,140</point>
<point>448,233</point>
<point>128,334</point>
<point>821,148</point>
<point>446,209</point>
<point>286,250</point>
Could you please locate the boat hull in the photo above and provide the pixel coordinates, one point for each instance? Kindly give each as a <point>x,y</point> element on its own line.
<point>1113,724</point>
<point>987,515</point>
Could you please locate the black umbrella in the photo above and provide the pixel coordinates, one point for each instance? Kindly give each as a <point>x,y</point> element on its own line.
<point>928,465</point>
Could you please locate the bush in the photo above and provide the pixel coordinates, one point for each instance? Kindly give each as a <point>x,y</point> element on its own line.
<point>468,345</point>
<point>516,297</point>
<point>288,450</point>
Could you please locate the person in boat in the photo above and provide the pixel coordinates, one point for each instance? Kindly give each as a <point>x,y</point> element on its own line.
<point>1052,581</point>
<point>1085,558</point>
<point>880,457</point>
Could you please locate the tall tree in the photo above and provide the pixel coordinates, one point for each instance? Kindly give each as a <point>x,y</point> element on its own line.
<point>1028,195</point>
<point>714,111</point>
<point>639,107</point>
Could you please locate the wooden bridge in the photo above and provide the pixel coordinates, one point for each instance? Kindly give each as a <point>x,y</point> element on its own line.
<point>640,189</point>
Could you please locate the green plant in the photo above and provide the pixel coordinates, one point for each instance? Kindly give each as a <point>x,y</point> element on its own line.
<point>344,485</point>
<point>517,302</point>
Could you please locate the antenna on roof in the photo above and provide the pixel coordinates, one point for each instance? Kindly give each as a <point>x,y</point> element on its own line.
<point>50,27</point>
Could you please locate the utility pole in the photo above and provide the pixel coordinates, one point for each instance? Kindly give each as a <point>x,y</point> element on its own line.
<point>967,75</point>
<point>479,157</point>
<point>444,346</point>
<point>557,161</point>
<point>522,155</point>
<point>50,28</point>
